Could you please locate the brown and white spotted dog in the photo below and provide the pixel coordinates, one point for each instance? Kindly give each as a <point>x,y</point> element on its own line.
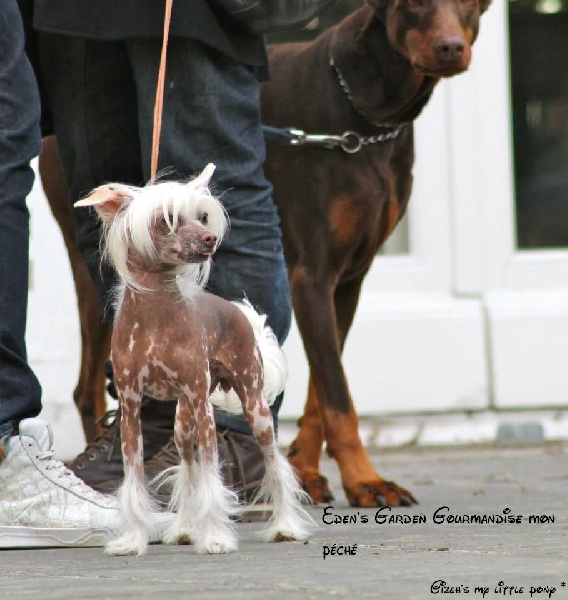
<point>172,340</point>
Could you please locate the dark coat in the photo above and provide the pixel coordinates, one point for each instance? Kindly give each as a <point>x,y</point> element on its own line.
<point>121,19</point>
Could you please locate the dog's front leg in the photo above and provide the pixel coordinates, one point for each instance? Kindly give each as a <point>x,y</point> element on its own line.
<point>204,506</point>
<point>136,506</point>
<point>182,478</point>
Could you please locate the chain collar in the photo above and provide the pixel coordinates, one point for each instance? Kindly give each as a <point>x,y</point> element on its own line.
<point>392,130</point>
<point>349,141</point>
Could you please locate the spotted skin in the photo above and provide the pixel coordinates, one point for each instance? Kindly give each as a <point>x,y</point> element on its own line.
<point>173,341</point>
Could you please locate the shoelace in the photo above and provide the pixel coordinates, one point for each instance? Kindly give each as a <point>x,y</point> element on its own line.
<point>167,457</point>
<point>52,464</point>
<point>101,442</point>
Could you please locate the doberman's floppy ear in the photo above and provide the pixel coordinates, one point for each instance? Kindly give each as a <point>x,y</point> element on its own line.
<point>484,5</point>
<point>107,199</point>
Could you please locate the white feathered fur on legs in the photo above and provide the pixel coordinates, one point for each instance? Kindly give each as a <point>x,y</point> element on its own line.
<point>289,520</point>
<point>139,516</point>
<point>203,507</point>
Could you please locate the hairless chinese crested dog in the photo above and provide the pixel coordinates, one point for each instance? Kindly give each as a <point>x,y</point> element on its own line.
<point>173,341</point>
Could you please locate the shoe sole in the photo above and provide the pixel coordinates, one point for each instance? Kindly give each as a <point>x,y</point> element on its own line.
<point>36,537</point>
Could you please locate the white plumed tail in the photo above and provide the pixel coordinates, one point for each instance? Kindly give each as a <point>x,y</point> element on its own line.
<point>273,359</point>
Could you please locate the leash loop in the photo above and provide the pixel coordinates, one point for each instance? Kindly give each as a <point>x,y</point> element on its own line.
<point>352,142</point>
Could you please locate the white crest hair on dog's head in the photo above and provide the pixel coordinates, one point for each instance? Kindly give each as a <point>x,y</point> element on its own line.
<point>131,225</point>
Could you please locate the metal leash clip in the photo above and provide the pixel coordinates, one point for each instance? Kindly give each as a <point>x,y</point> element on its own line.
<point>300,137</point>
<point>349,141</point>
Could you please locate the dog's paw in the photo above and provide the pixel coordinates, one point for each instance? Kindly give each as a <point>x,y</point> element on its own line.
<point>290,528</point>
<point>178,536</point>
<point>128,544</point>
<point>379,493</point>
<point>315,486</point>
<point>288,535</point>
<point>216,544</point>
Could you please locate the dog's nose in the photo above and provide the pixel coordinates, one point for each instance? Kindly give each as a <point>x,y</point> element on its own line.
<point>450,48</point>
<point>209,239</point>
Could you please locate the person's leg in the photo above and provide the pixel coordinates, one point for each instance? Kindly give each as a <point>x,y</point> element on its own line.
<point>20,393</point>
<point>92,98</point>
<point>211,114</point>
<point>41,502</point>
<point>91,95</point>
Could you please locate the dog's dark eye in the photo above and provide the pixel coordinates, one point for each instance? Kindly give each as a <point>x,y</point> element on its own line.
<point>166,224</point>
<point>204,219</point>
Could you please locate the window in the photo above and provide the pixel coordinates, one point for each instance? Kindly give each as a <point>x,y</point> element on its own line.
<point>539,81</point>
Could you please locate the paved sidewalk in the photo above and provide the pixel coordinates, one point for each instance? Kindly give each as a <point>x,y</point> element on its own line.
<point>392,561</point>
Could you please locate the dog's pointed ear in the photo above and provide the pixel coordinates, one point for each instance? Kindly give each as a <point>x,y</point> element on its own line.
<point>107,199</point>
<point>484,5</point>
<point>202,180</point>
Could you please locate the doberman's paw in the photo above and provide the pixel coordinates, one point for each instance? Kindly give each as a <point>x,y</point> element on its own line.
<point>379,493</point>
<point>317,488</point>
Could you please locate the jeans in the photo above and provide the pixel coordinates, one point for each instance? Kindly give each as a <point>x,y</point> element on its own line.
<point>20,392</point>
<point>102,98</point>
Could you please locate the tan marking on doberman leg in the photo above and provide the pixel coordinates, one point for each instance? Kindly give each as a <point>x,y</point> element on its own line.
<point>343,219</point>
<point>362,485</point>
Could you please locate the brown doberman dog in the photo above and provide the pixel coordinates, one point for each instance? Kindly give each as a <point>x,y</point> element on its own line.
<point>370,74</point>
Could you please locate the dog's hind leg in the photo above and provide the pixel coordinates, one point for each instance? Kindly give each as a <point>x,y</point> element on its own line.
<point>289,520</point>
<point>135,503</point>
<point>203,505</point>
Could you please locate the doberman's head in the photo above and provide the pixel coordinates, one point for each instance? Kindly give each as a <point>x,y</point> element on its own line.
<point>434,35</point>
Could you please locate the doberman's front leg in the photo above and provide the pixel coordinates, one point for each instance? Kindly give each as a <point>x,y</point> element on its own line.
<point>203,504</point>
<point>316,316</point>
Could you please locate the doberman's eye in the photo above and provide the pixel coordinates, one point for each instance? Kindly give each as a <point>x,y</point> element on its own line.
<point>204,219</point>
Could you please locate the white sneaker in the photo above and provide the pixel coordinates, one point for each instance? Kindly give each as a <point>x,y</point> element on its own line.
<point>42,503</point>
